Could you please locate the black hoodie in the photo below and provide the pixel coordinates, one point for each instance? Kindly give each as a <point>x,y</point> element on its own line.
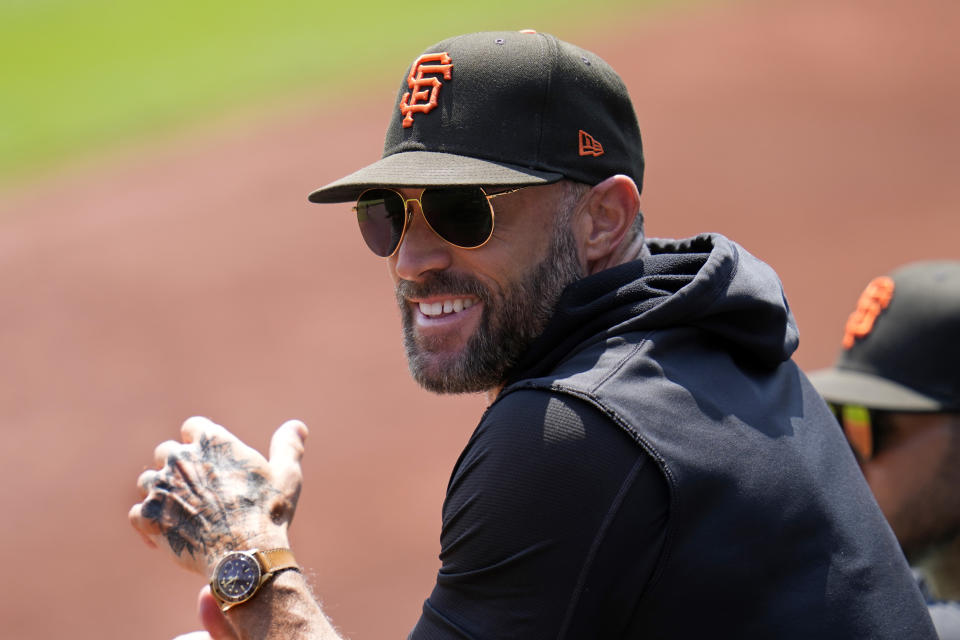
<point>658,467</point>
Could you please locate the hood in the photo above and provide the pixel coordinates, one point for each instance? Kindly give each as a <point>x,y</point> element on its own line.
<point>707,282</point>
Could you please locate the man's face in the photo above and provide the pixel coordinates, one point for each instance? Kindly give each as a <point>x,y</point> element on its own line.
<point>468,314</point>
<point>915,475</point>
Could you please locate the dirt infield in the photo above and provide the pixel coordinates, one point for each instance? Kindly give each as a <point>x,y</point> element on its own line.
<point>195,279</point>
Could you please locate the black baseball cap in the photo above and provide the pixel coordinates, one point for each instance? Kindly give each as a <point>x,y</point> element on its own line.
<point>503,108</point>
<point>901,349</point>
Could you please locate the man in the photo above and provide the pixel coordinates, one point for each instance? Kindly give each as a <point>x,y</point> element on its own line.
<point>896,389</point>
<point>652,464</point>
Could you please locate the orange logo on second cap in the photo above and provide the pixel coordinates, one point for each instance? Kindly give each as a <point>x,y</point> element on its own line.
<point>420,98</point>
<point>589,145</point>
<point>874,299</point>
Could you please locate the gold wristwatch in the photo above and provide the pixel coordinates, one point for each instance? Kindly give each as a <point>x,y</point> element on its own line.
<point>240,574</point>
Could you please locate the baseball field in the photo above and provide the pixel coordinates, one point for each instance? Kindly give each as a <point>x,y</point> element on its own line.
<point>158,257</point>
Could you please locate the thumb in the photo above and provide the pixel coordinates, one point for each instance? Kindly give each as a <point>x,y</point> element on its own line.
<point>212,619</point>
<point>286,450</point>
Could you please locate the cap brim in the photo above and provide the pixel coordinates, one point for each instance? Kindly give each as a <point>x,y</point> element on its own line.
<point>843,386</point>
<point>430,169</point>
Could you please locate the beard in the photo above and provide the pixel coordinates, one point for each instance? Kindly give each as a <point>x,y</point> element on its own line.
<point>927,526</point>
<point>512,318</point>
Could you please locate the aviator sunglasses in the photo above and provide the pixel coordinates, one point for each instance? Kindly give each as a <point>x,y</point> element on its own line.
<point>461,216</point>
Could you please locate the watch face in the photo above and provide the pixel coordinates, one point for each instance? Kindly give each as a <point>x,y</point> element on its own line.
<point>236,577</point>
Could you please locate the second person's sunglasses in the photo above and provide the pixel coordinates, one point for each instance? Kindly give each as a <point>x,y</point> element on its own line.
<point>462,216</point>
<point>859,425</point>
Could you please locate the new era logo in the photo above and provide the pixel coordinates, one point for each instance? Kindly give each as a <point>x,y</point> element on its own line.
<point>589,146</point>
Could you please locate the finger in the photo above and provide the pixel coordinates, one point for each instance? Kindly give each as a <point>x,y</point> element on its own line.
<point>212,618</point>
<point>162,453</point>
<point>134,516</point>
<point>147,480</point>
<point>147,541</point>
<point>192,428</point>
<point>286,451</point>
<point>146,527</point>
<point>287,443</point>
<point>205,432</point>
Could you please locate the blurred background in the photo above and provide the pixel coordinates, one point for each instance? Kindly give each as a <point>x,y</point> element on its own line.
<point>158,258</point>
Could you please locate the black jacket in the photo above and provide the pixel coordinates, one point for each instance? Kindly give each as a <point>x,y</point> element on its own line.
<point>658,467</point>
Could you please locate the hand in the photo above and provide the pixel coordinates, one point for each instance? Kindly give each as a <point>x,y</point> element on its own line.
<point>211,493</point>
<point>216,625</point>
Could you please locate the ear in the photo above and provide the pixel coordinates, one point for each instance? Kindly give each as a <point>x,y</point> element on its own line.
<point>605,219</point>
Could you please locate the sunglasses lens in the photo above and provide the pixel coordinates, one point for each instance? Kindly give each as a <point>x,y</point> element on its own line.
<point>381,215</point>
<point>462,217</point>
<point>857,427</point>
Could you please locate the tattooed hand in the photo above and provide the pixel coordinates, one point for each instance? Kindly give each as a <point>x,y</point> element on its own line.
<point>211,493</point>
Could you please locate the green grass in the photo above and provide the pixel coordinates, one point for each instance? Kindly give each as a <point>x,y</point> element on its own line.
<point>79,76</point>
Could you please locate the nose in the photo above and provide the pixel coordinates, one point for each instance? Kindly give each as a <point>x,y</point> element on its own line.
<point>421,250</point>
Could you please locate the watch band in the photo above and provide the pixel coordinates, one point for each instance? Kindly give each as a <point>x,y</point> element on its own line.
<point>273,560</point>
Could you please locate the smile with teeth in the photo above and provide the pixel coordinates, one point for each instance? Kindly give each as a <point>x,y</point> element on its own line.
<point>455,305</point>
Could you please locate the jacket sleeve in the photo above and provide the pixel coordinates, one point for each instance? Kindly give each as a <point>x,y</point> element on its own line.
<point>552,526</point>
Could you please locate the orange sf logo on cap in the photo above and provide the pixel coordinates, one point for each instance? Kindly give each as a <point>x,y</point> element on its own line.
<point>874,299</point>
<point>421,99</point>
